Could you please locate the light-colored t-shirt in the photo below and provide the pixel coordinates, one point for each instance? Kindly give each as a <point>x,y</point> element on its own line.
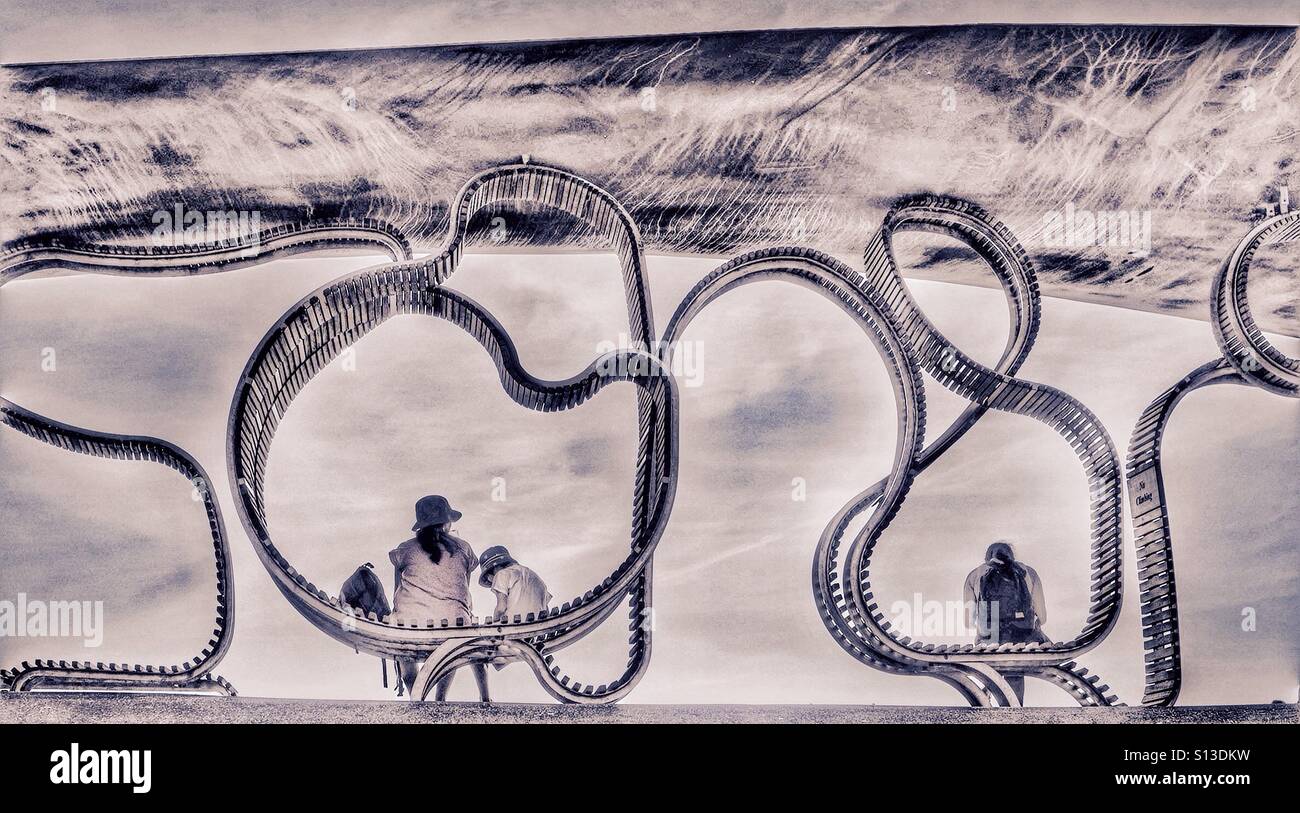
<point>524,590</point>
<point>426,590</point>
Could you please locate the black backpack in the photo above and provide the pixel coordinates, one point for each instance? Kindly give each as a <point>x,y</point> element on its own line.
<point>1006,588</point>
<point>365,592</point>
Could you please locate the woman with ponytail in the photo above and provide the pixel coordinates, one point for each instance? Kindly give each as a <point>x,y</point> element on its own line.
<point>432,582</point>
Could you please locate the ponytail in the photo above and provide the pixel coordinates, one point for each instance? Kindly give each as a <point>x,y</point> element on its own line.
<point>433,540</point>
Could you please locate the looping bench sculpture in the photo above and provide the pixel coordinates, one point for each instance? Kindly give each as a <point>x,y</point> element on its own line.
<point>196,673</point>
<point>1248,359</point>
<point>880,303</point>
<point>337,315</point>
<point>28,256</point>
<point>39,254</point>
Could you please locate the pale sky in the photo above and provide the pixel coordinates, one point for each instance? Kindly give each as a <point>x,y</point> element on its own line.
<point>789,388</point>
<point>76,30</point>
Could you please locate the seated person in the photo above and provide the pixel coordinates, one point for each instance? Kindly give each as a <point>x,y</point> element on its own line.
<point>519,590</point>
<point>432,573</point>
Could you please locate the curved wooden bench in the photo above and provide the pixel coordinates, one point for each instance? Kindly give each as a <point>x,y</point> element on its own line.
<point>1248,359</point>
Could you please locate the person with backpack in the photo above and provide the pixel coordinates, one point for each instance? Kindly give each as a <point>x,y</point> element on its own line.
<point>1004,601</point>
<point>432,577</point>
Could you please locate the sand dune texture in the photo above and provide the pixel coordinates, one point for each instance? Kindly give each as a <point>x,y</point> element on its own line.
<point>716,143</point>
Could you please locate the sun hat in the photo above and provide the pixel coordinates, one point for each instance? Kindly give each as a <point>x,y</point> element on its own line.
<point>433,510</point>
<point>492,558</point>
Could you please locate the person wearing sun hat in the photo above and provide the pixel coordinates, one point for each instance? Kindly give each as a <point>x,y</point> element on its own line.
<point>519,590</point>
<point>432,575</point>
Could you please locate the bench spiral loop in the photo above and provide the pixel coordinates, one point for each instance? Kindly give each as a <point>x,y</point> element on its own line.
<point>1249,359</point>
